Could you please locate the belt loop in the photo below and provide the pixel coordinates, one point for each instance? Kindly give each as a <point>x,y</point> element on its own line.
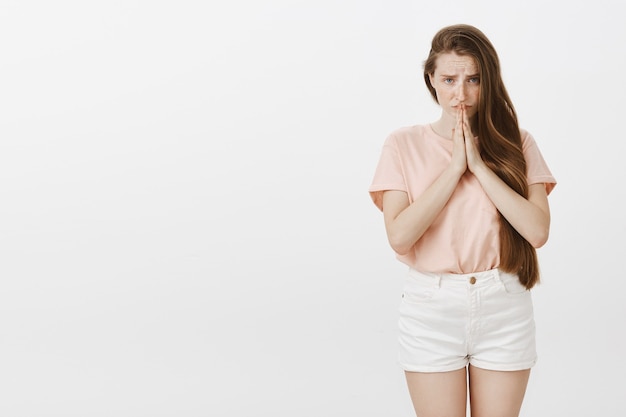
<point>438,281</point>
<point>496,274</point>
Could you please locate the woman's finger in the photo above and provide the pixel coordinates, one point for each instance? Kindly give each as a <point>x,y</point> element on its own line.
<point>459,124</point>
<point>467,132</point>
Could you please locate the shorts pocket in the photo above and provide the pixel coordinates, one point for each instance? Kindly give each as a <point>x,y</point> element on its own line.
<point>419,288</point>
<point>512,286</point>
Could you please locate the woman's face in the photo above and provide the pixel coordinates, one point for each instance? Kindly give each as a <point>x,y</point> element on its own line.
<point>456,81</point>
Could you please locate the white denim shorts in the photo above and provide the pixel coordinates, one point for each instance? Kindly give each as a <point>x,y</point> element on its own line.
<point>448,321</point>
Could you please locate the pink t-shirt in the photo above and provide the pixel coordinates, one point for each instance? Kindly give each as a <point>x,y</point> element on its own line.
<point>464,238</point>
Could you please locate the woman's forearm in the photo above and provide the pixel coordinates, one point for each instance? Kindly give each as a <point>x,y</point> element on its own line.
<point>529,217</point>
<point>406,223</point>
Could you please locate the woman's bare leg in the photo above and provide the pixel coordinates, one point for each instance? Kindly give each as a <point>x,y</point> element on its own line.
<point>438,394</point>
<point>496,393</point>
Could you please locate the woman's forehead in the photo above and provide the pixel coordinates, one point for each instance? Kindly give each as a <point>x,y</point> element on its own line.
<point>451,61</point>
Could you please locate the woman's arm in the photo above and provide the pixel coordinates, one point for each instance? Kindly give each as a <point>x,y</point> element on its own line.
<point>405,223</point>
<point>530,217</point>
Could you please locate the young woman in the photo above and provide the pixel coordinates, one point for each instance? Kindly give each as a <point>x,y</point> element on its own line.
<point>464,200</point>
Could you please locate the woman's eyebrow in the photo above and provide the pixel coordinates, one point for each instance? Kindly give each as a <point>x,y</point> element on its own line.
<point>456,75</point>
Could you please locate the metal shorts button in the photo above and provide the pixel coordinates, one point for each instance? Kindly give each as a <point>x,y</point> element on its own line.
<point>472,280</point>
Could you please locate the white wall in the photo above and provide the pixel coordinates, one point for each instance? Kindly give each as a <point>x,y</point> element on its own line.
<point>185,224</point>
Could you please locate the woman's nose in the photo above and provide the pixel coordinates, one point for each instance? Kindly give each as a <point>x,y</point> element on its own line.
<point>460,94</point>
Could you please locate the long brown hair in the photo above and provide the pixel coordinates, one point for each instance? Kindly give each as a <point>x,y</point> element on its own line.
<point>498,134</point>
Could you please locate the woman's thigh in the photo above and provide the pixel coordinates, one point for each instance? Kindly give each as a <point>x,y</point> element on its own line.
<point>496,393</point>
<point>436,394</point>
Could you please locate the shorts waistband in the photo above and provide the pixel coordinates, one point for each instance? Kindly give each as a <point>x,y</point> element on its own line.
<point>474,278</point>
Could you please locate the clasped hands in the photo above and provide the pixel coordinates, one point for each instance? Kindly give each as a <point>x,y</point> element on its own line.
<point>465,153</point>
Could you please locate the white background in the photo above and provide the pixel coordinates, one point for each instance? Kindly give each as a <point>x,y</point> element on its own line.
<point>185,223</point>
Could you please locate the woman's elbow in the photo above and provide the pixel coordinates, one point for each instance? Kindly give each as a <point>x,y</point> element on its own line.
<point>540,238</point>
<point>399,245</point>
<point>401,250</point>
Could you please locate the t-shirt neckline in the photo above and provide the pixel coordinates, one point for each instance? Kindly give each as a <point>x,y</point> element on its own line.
<point>432,130</point>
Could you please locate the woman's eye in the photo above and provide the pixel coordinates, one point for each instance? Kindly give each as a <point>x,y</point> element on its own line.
<point>474,80</point>
<point>447,80</point>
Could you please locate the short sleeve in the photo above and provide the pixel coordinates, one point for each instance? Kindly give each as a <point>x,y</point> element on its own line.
<point>388,174</point>
<point>537,171</point>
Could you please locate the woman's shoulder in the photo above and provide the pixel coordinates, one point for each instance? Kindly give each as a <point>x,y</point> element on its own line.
<point>527,138</point>
<point>525,133</point>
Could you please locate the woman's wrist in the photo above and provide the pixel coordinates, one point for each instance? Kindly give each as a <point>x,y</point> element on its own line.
<point>456,171</point>
<point>481,171</point>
